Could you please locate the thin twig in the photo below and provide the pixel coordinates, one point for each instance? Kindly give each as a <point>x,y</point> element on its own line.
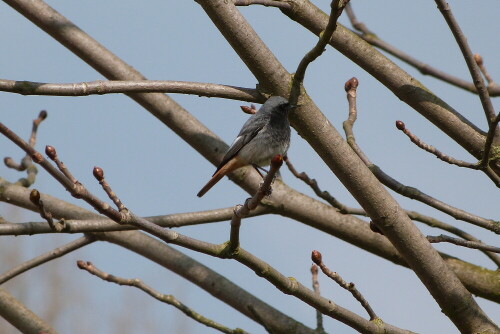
<point>242,211</point>
<point>400,188</point>
<point>480,63</point>
<point>431,149</point>
<point>342,208</point>
<point>99,175</point>
<point>492,132</point>
<point>26,163</point>
<point>35,199</point>
<point>101,87</point>
<point>315,285</point>
<point>464,243</point>
<point>474,70</point>
<point>52,154</point>
<point>317,258</point>
<point>267,3</point>
<point>424,68</point>
<point>167,299</point>
<point>320,193</point>
<point>337,6</point>
<point>107,225</point>
<point>49,256</point>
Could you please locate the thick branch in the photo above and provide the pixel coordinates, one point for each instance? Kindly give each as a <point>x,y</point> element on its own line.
<point>20,316</point>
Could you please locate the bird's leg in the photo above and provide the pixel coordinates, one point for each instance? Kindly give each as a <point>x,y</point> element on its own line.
<point>258,169</point>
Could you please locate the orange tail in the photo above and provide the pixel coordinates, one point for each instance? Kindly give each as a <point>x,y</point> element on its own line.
<point>231,165</point>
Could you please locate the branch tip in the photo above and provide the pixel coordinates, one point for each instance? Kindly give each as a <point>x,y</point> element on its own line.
<point>43,115</point>
<point>351,84</point>
<point>316,257</point>
<point>51,152</point>
<point>400,125</point>
<point>314,269</point>
<point>98,173</point>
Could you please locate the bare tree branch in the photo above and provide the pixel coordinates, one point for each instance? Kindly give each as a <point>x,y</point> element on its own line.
<point>26,163</point>
<point>106,225</point>
<point>337,6</point>
<point>430,221</point>
<point>464,243</point>
<point>370,37</point>
<point>167,299</point>
<point>398,187</point>
<point>431,149</point>
<point>474,70</point>
<point>492,133</point>
<point>317,258</point>
<point>487,76</point>
<point>315,284</point>
<point>21,317</point>
<point>101,87</point>
<point>267,3</point>
<point>49,256</point>
<point>242,211</point>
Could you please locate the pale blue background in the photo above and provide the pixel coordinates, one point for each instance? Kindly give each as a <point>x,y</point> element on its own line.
<point>154,172</point>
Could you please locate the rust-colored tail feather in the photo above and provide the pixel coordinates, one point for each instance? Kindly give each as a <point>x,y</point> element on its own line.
<point>231,165</point>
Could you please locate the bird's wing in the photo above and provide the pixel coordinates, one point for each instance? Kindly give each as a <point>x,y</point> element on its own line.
<point>249,130</point>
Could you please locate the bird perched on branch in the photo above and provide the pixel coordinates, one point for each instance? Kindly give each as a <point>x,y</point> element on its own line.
<point>264,135</point>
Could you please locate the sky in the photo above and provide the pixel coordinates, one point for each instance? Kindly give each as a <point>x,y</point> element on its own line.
<point>154,172</point>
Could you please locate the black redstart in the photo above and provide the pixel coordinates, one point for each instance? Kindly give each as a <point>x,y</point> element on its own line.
<point>264,135</point>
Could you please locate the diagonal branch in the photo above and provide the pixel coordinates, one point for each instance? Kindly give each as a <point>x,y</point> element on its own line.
<point>49,256</point>
<point>337,6</point>
<point>398,187</point>
<point>474,70</point>
<point>426,69</point>
<point>21,317</point>
<point>167,299</point>
<point>317,258</point>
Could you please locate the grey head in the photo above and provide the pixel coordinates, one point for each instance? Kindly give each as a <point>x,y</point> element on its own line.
<point>275,104</point>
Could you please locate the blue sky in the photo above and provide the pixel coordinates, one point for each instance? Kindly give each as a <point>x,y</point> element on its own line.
<point>155,172</point>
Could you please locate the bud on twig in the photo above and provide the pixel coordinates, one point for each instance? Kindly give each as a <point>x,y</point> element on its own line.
<point>51,152</point>
<point>478,59</point>
<point>351,84</point>
<point>400,125</point>
<point>42,115</point>
<point>98,173</point>
<point>316,257</point>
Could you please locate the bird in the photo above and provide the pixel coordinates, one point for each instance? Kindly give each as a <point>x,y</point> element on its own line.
<point>264,135</point>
